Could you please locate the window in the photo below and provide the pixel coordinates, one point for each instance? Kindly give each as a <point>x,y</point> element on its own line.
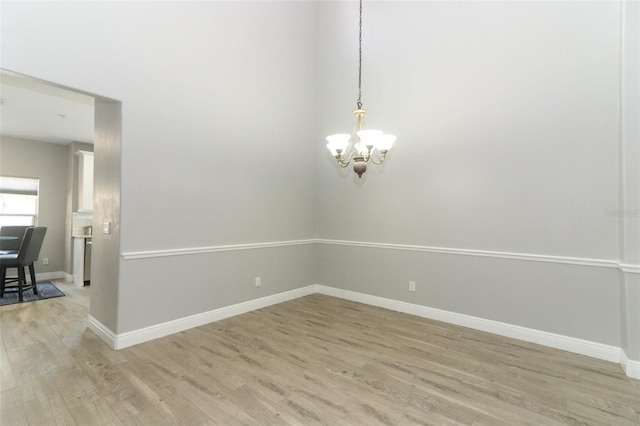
<point>18,201</point>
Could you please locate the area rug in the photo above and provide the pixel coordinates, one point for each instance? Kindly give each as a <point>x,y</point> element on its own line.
<point>46,290</point>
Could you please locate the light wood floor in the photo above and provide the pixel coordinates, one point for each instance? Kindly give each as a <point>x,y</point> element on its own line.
<point>314,360</point>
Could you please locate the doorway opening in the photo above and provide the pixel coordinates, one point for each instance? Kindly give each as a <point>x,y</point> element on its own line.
<point>44,125</point>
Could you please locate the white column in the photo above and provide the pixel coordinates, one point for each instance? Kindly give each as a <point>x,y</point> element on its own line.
<point>629,209</point>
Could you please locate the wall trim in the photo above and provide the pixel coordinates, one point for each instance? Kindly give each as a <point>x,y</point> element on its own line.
<point>631,368</point>
<point>599,263</point>
<point>103,332</point>
<point>48,276</point>
<point>557,341</point>
<point>131,338</point>
<point>629,268</point>
<point>212,249</point>
<point>481,253</point>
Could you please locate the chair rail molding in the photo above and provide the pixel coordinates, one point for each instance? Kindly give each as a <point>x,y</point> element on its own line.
<point>629,268</point>
<point>212,249</point>
<point>601,263</point>
<point>567,260</point>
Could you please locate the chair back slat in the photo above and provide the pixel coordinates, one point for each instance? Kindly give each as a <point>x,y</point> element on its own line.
<point>31,245</point>
<point>12,231</point>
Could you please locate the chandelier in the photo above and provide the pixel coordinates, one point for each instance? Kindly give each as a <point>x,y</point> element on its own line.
<point>362,146</point>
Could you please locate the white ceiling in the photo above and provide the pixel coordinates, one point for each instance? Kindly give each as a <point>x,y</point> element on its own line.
<point>30,109</point>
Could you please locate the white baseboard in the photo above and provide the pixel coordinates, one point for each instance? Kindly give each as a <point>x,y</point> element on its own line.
<point>631,367</point>
<point>124,340</point>
<point>570,344</point>
<point>48,276</point>
<point>557,341</point>
<point>103,332</point>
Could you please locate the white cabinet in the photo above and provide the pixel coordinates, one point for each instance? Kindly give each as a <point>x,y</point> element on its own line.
<point>85,181</point>
<point>78,261</point>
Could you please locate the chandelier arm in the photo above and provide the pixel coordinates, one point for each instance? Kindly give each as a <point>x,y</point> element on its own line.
<point>341,161</point>
<point>381,157</point>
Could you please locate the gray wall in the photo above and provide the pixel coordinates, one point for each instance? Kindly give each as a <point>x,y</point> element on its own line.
<point>569,300</point>
<point>203,282</point>
<point>47,162</point>
<point>212,157</point>
<point>105,262</point>
<point>507,121</point>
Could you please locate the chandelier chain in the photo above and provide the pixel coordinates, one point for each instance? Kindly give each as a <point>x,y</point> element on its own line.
<point>359,103</point>
<point>361,147</point>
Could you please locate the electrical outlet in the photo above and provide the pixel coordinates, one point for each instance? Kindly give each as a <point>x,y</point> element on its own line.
<point>412,286</point>
<point>258,283</point>
<point>45,260</point>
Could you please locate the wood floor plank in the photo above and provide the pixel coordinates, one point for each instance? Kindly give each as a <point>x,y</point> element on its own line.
<point>12,409</point>
<point>7,378</point>
<point>314,360</point>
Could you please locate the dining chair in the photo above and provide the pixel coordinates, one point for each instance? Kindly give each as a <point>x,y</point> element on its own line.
<point>11,238</point>
<point>27,255</point>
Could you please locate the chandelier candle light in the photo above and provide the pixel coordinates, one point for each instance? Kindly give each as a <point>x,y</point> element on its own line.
<point>362,145</point>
